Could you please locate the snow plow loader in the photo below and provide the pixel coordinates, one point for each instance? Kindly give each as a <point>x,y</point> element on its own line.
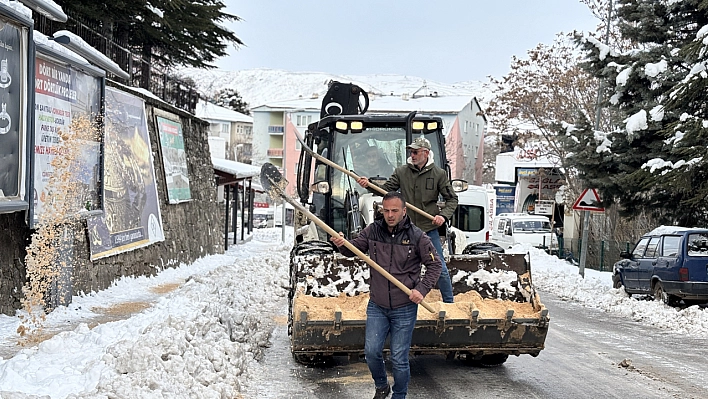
<point>497,311</point>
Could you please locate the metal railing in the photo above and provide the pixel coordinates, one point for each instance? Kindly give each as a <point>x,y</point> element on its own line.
<point>143,74</point>
<point>601,254</point>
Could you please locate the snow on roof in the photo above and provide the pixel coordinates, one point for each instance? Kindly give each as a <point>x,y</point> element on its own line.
<point>19,7</point>
<point>238,169</point>
<point>431,104</point>
<point>48,8</point>
<point>42,39</point>
<point>78,44</point>
<point>207,110</point>
<point>670,230</point>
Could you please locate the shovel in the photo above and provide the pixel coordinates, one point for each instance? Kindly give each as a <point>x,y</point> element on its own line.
<point>357,177</point>
<point>274,184</point>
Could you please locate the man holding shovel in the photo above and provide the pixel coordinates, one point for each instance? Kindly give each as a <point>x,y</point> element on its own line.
<point>422,182</point>
<point>400,248</point>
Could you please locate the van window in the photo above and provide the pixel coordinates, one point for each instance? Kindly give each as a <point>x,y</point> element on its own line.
<point>670,246</point>
<point>698,244</point>
<point>469,218</point>
<point>532,226</point>
<point>639,249</point>
<point>652,247</point>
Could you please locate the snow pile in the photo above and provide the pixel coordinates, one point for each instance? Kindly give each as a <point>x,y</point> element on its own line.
<point>196,341</point>
<point>557,276</point>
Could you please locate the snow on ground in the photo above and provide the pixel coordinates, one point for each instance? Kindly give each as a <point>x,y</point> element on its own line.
<point>198,330</point>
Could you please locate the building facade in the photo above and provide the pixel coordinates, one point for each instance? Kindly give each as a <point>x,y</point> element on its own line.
<point>276,124</point>
<point>234,127</point>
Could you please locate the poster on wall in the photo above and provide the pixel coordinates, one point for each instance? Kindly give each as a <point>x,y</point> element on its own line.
<point>131,216</point>
<point>63,96</point>
<point>505,199</point>
<point>11,87</point>
<point>174,159</point>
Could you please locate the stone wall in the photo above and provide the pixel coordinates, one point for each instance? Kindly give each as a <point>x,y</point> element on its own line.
<point>192,229</point>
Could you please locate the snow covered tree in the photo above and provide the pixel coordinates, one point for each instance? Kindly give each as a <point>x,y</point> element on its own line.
<point>652,163</point>
<point>541,94</point>
<point>230,98</point>
<point>178,32</point>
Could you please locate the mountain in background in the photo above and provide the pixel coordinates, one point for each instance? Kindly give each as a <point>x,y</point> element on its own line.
<point>260,86</point>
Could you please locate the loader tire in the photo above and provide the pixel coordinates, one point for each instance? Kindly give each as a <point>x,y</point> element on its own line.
<point>487,361</point>
<point>479,248</point>
<point>316,360</point>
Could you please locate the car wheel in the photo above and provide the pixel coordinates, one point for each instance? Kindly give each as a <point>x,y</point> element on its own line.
<point>661,295</point>
<point>616,281</point>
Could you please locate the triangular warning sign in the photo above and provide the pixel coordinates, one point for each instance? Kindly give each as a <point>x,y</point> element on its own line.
<point>589,201</point>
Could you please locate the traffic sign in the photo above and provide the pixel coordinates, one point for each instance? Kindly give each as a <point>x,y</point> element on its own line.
<point>589,201</point>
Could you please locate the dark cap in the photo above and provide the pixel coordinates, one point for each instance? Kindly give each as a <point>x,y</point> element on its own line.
<point>420,142</point>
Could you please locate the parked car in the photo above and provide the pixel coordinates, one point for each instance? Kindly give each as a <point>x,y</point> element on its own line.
<point>670,263</point>
<point>510,229</point>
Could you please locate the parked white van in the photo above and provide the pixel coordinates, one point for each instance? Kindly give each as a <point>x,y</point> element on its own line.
<point>472,219</point>
<point>523,228</point>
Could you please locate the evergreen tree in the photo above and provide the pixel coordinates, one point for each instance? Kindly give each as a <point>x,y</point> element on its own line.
<point>230,98</point>
<point>171,33</point>
<point>642,166</point>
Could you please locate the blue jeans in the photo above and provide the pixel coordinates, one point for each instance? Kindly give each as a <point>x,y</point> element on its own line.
<point>444,282</point>
<point>399,323</point>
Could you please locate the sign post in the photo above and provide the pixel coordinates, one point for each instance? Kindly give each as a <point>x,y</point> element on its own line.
<point>588,202</point>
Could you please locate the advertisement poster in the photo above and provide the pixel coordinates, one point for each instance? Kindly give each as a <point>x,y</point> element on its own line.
<point>174,160</point>
<point>10,101</point>
<point>131,216</point>
<point>505,199</point>
<point>63,94</point>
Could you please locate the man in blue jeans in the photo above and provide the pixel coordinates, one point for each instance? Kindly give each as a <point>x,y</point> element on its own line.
<point>423,183</point>
<point>400,248</point>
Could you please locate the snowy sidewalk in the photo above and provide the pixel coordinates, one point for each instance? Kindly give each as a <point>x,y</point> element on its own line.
<point>198,328</point>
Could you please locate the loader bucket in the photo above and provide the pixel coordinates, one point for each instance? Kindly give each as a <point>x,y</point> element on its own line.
<point>496,311</point>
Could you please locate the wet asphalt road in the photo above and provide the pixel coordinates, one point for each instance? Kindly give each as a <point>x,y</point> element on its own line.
<point>584,350</point>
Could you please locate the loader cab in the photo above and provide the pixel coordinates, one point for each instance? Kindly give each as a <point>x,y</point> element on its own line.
<point>347,140</point>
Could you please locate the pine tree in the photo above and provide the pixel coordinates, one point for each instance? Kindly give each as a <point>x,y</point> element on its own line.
<point>230,98</point>
<point>640,165</point>
<point>174,33</point>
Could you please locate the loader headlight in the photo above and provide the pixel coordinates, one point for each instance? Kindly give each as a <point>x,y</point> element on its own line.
<point>321,187</point>
<point>424,126</point>
<point>341,125</point>
<point>354,126</point>
<point>459,185</point>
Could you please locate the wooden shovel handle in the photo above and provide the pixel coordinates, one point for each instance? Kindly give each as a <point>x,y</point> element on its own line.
<point>373,186</point>
<point>363,256</point>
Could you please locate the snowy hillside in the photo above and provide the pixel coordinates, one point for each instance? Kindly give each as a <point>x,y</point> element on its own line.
<point>259,86</point>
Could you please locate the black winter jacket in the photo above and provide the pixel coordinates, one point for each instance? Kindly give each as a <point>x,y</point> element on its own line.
<point>400,253</point>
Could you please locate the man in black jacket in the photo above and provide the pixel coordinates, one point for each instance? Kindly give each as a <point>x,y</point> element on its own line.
<point>400,248</point>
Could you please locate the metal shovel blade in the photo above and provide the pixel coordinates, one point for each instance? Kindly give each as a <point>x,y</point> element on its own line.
<point>272,180</point>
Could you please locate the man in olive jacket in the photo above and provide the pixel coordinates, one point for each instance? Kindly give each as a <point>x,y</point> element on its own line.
<point>400,248</point>
<point>422,182</point>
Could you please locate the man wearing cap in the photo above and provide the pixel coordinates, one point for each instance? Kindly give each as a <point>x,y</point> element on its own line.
<point>422,183</point>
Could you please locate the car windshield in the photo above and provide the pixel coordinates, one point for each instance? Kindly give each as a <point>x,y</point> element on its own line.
<point>697,244</point>
<point>532,226</point>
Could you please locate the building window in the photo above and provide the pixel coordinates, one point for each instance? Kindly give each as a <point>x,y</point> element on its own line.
<point>299,120</point>
<point>225,127</point>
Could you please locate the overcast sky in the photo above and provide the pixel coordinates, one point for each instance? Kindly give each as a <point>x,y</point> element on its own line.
<point>447,40</point>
